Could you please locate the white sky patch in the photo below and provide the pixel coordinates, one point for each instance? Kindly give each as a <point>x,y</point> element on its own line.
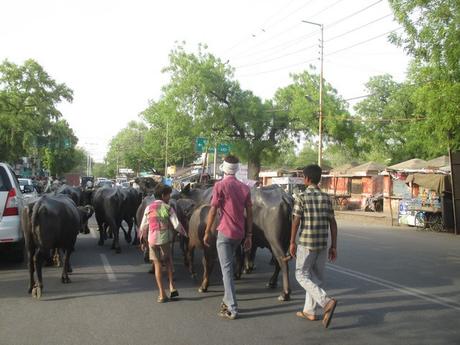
<point>111,52</point>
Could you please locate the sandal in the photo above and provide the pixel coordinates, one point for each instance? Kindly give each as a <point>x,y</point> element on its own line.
<point>162,300</point>
<point>329,312</point>
<point>306,316</point>
<point>174,294</point>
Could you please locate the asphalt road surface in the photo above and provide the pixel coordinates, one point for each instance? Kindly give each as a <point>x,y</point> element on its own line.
<point>394,286</point>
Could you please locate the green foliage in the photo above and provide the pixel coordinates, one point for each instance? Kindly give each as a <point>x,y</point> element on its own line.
<point>128,149</point>
<point>28,98</point>
<point>60,155</point>
<point>202,87</point>
<point>432,37</point>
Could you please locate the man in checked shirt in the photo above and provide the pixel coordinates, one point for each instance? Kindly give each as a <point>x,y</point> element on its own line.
<point>314,213</point>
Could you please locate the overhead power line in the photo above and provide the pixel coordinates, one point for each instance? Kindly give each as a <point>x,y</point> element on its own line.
<point>326,55</point>
<point>277,58</point>
<point>353,14</point>
<point>358,28</point>
<point>362,42</point>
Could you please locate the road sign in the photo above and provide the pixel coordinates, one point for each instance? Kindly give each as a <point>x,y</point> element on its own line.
<point>223,149</point>
<point>200,144</point>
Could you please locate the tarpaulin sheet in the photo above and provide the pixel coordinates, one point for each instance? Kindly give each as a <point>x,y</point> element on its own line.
<point>435,182</point>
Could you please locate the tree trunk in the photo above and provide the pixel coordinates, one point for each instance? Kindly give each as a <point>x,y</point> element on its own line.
<point>254,167</point>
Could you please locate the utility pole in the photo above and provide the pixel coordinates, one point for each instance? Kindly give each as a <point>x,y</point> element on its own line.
<point>320,120</point>
<point>166,151</point>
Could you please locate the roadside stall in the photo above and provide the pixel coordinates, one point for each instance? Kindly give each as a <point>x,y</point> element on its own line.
<point>290,184</point>
<point>426,208</point>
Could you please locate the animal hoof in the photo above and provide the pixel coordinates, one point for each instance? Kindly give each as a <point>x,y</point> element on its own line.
<point>271,285</point>
<point>37,292</point>
<point>193,275</point>
<point>284,297</point>
<point>128,239</point>
<point>65,280</point>
<point>237,276</point>
<point>202,290</point>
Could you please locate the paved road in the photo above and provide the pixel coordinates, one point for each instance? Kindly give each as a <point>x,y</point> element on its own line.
<point>394,286</point>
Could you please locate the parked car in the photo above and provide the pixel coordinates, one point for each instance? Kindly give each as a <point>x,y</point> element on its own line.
<point>11,205</point>
<point>24,182</point>
<point>104,183</point>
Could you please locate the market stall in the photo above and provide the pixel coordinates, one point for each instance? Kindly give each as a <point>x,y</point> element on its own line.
<point>427,206</point>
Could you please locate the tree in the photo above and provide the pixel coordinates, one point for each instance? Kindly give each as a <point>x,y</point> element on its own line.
<point>300,102</point>
<point>128,150</point>
<point>431,36</point>
<point>28,99</point>
<point>60,155</point>
<point>171,135</point>
<point>202,87</point>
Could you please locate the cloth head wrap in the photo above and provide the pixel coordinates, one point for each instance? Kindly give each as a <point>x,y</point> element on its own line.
<point>229,168</point>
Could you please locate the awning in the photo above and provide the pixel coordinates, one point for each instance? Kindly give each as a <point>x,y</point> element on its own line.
<point>435,182</point>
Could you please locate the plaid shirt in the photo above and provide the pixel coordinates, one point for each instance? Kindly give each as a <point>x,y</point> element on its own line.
<point>315,211</point>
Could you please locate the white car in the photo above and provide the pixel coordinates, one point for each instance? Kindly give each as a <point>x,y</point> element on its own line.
<point>11,205</point>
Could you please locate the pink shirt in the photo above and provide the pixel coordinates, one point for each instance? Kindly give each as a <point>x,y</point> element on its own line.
<point>231,197</point>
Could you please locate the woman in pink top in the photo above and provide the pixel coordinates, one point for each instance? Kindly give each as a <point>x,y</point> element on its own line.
<point>157,224</point>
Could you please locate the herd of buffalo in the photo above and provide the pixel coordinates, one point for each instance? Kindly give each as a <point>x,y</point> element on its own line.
<point>52,222</point>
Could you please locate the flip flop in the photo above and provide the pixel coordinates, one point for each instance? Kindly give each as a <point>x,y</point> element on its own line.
<point>306,316</point>
<point>329,312</point>
<point>162,300</point>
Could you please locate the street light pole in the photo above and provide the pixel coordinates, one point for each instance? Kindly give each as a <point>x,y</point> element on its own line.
<point>320,129</point>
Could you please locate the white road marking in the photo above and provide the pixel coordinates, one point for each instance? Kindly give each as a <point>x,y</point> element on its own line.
<point>445,302</point>
<point>108,269</point>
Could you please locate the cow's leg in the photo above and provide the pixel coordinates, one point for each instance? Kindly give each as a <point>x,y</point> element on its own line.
<point>100,225</point>
<point>281,262</point>
<point>249,258</point>
<point>65,270</point>
<point>38,262</point>
<point>116,243</point>
<point>129,238</point>
<point>30,256</point>
<point>127,233</point>
<point>183,242</point>
<point>207,267</point>
<point>189,258</point>
<point>56,257</point>
<point>108,231</point>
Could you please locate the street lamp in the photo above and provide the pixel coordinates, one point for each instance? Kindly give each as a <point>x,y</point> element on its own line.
<point>320,129</point>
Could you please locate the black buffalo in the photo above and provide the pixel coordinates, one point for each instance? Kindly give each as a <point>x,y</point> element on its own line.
<point>272,218</point>
<point>52,221</point>
<point>131,201</point>
<point>108,206</point>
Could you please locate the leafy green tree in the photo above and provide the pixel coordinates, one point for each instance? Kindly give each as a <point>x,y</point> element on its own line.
<point>60,155</point>
<point>28,99</point>
<point>432,37</point>
<point>203,87</point>
<point>300,101</point>
<point>127,149</point>
<point>171,133</point>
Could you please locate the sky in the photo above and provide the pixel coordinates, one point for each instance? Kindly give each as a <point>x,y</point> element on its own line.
<point>111,52</point>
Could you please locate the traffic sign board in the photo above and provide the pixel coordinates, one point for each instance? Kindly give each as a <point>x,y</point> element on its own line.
<point>223,149</point>
<point>200,144</point>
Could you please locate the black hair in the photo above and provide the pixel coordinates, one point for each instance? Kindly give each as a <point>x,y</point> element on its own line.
<point>232,159</point>
<point>160,190</point>
<point>313,172</point>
